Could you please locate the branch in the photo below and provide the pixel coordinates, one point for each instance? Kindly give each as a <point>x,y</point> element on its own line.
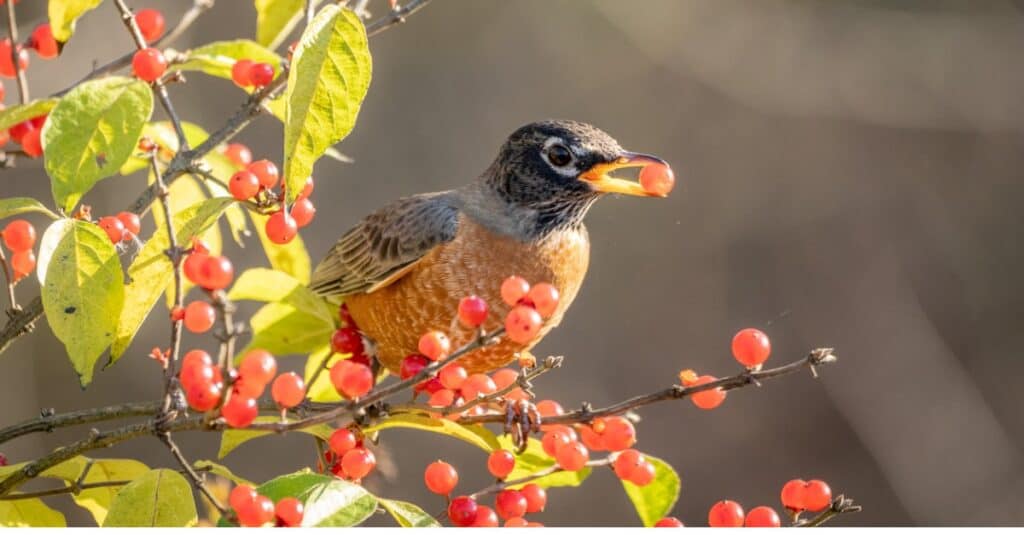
<point>12,33</point>
<point>197,480</point>
<point>48,421</point>
<point>502,485</point>
<point>397,16</point>
<point>9,277</point>
<point>73,489</point>
<point>840,505</point>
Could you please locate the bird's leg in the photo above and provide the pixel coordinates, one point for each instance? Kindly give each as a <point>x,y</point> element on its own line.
<point>521,419</point>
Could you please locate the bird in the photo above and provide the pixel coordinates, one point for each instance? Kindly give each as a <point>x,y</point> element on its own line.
<point>403,269</point>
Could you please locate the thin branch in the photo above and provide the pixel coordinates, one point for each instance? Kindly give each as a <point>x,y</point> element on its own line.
<point>47,422</point>
<point>310,4</point>
<point>523,382</point>
<point>840,505</point>
<point>396,16</point>
<point>502,485</point>
<point>64,490</point>
<point>9,277</point>
<point>197,480</point>
<point>12,33</point>
<point>21,322</point>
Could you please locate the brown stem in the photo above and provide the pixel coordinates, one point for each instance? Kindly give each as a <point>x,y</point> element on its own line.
<point>12,33</point>
<point>197,480</point>
<point>396,16</point>
<point>9,277</point>
<point>48,421</point>
<point>840,505</point>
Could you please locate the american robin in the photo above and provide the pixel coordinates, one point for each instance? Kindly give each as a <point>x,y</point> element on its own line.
<point>403,269</point>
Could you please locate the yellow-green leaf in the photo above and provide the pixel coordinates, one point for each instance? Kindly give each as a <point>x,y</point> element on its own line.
<point>286,330</point>
<point>290,258</point>
<point>220,470</point>
<point>327,500</point>
<point>321,390</point>
<point>656,499</point>
<point>217,58</point>
<point>29,512</point>
<point>20,205</point>
<point>270,286</point>
<point>223,168</point>
<point>408,515</point>
<point>151,271</point>
<point>182,193</point>
<point>91,132</point>
<point>233,438</point>
<point>276,18</point>
<point>534,460</point>
<point>326,85</point>
<point>97,501</point>
<point>64,13</point>
<point>160,498</point>
<point>476,435</point>
<point>23,112</point>
<point>83,294</point>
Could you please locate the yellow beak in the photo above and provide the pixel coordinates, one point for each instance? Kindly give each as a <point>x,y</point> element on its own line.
<point>599,176</point>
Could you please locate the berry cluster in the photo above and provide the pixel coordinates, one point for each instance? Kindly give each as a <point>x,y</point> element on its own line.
<point>149,64</point>
<point>19,236</point>
<point>125,226</point>
<point>750,347</point>
<point>347,457</point>
<point>255,510</point>
<point>511,505</point>
<point>27,133</point>
<point>210,272</point>
<point>797,496</point>
<point>530,305</point>
<point>248,73</point>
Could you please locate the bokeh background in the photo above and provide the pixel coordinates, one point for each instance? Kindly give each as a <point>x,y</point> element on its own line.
<point>850,176</point>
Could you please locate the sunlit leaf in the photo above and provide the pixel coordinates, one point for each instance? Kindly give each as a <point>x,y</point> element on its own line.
<point>233,438</point>
<point>270,286</point>
<point>160,498</point>
<point>321,390</point>
<point>290,258</point>
<point>534,460</point>
<point>21,205</point>
<point>29,512</point>
<point>220,470</point>
<point>276,18</point>
<point>654,500</point>
<point>475,434</point>
<point>328,501</point>
<point>217,58</point>
<point>64,13</point>
<point>22,112</point>
<point>326,85</point>
<point>83,294</point>
<point>286,330</point>
<point>183,193</point>
<point>91,132</point>
<point>408,515</point>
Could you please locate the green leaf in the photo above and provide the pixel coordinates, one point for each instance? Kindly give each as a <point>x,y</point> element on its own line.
<point>270,286</point>
<point>409,515</point>
<point>220,470</point>
<point>276,18</point>
<point>64,13</point>
<point>23,112</point>
<point>30,512</point>
<point>160,498</point>
<point>151,271</point>
<point>83,294</point>
<point>223,168</point>
<point>328,501</point>
<point>326,85</point>
<point>534,460</point>
<point>217,58</point>
<point>233,438</point>
<point>20,205</point>
<point>322,390</point>
<point>286,330</point>
<point>476,435</point>
<point>290,258</point>
<point>655,500</point>
<point>91,132</point>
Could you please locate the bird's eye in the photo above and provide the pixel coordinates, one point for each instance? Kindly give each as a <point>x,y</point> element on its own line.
<point>559,155</point>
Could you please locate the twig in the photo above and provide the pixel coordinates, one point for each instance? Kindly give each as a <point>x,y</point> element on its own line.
<point>840,505</point>
<point>396,16</point>
<point>9,277</point>
<point>12,33</point>
<point>523,382</point>
<point>47,422</point>
<point>64,490</point>
<point>190,16</point>
<point>197,480</point>
<point>502,485</point>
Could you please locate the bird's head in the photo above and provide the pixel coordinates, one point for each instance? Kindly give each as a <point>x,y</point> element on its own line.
<point>561,167</point>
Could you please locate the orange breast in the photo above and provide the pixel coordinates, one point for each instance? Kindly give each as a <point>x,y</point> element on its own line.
<point>475,262</point>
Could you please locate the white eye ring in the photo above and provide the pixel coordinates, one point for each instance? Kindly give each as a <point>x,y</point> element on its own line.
<point>559,156</point>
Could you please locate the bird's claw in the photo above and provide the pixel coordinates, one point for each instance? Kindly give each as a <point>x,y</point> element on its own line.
<point>521,419</point>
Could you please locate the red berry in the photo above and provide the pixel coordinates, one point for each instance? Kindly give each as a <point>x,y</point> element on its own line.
<point>793,495</point>
<point>342,440</point>
<point>43,42</point>
<point>351,379</point>
<point>131,223</point>
<point>204,396</point>
<point>265,171</point>
<point>192,266</point>
<point>19,130</point>
<point>239,411</point>
<point>261,74</point>
<point>19,235</point>
<point>618,434</point>
<point>642,475</point>
<point>536,497</point>
<point>440,477</point>
<point>195,376</point>
<point>238,153</point>
<point>590,438</point>
<point>257,513</point>
<point>517,522</point>
<point>453,376</point>
<point>281,227</point>
<point>477,385</point>
<point>555,438</point>
<point>442,398</point>
<point>817,495</point>
<point>751,347</point>
<point>289,511</point>
<point>244,185</point>
<point>725,514</point>
<point>472,311</point>
<point>668,522</point>
<point>149,64</point>
<point>6,65</point>
<point>707,399</point>
<point>258,367</point>
<point>199,316</point>
<point>513,289</point>
<point>462,511</point>
<point>195,359</point>
<point>358,462</point>
<point>435,345</point>
<point>22,263</point>
<point>113,227</point>
<point>572,456</point>
<point>3,93</point>
<point>151,23</point>
<point>485,517</point>
<point>501,463</point>
<point>627,462</point>
<point>657,179</point>
<point>32,143</point>
<point>411,366</point>
<point>347,340</point>
<point>549,407</point>
<point>241,496</point>
<point>522,324</point>
<point>510,504</point>
<point>307,187</point>
<point>762,517</point>
<point>288,390</point>
<point>303,212</point>
<point>39,120</point>
<point>240,74</point>
<point>215,273</point>
<point>544,298</point>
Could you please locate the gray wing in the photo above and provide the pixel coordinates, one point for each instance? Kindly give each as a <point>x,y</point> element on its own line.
<point>386,244</point>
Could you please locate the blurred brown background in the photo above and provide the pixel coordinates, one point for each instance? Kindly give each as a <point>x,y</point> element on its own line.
<point>850,176</point>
